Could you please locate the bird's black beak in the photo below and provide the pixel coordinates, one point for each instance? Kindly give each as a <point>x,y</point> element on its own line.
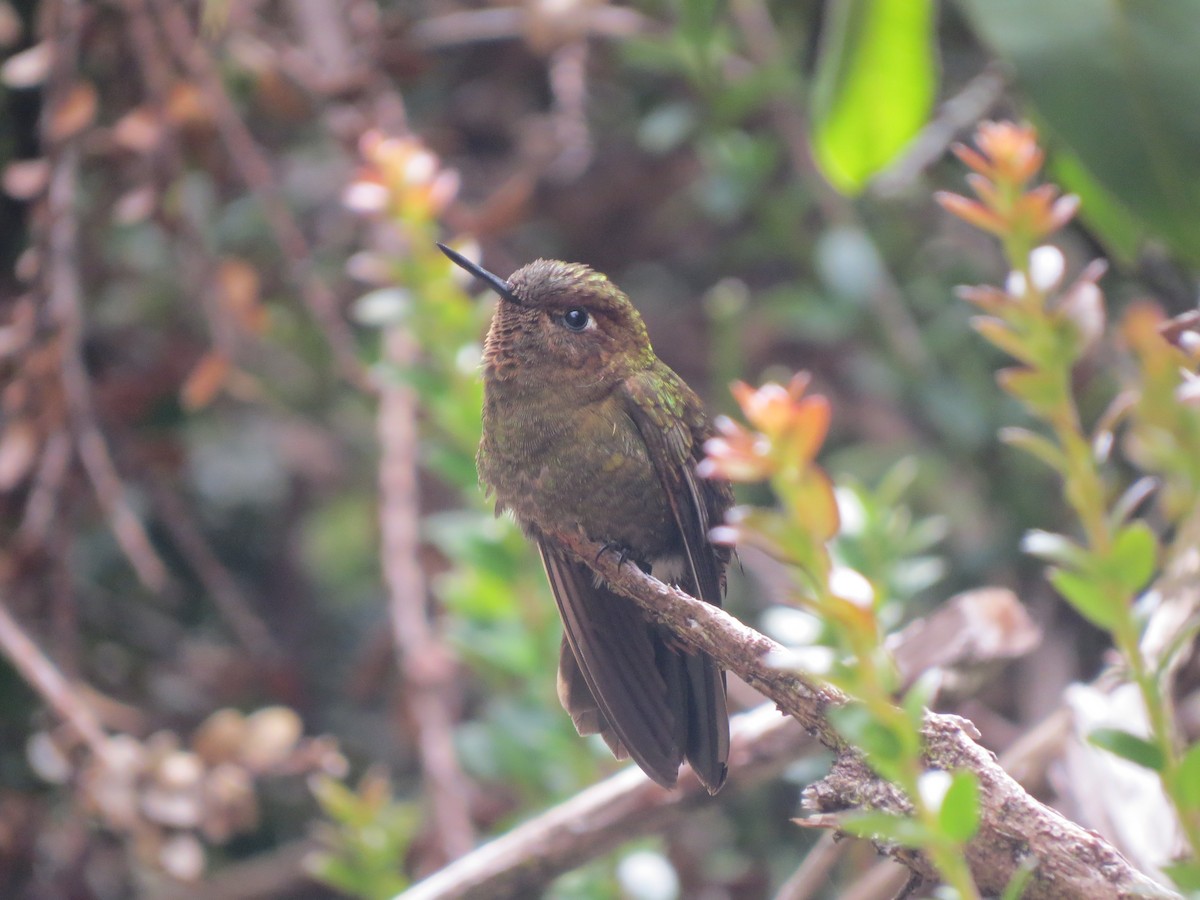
<point>495,282</point>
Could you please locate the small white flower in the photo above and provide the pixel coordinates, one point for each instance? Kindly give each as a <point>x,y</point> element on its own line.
<point>932,786</point>
<point>1046,266</point>
<point>648,876</point>
<point>790,625</point>
<point>1015,285</point>
<point>851,512</point>
<point>852,586</point>
<point>365,197</point>
<point>420,167</point>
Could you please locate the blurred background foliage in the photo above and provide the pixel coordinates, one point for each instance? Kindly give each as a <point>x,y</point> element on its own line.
<point>218,294</point>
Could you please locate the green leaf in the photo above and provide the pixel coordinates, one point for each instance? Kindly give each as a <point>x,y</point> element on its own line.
<point>918,698</point>
<point>1041,391</point>
<point>887,827</point>
<point>1114,82</point>
<point>882,746</point>
<point>875,83</point>
<point>958,819</point>
<point>1186,875</point>
<point>1057,548</point>
<point>1187,778</point>
<point>1134,556</point>
<point>1128,746</point>
<point>1036,445</point>
<point>1086,596</point>
<point>1015,888</point>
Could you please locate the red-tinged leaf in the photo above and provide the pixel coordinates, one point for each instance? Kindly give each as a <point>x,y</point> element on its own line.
<point>811,503</point>
<point>1036,445</point>
<point>1040,391</point>
<point>238,287</point>
<point>25,179</point>
<point>75,112</point>
<point>1001,335</point>
<point>807,430</point>
<point>972,212</point>
<point>206,380</point>
<point>987,297</point>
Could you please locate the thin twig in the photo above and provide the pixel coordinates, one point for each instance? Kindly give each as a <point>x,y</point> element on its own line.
<point>509,22</point>
<point>423,660</point>
<point>255,170</point>
<point>227,595</point>
<point>42,505</point>
<point>812,875</point>
<point>961,111</point>
<point>43,676</point>
<point>63,293</point>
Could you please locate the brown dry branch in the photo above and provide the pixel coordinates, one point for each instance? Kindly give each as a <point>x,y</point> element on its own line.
<point>44,677</point>
<point>508,22</point>
<point>424,661</point>
<point>762,743</point>
<point>256,172</point>
<point>1071,861</point>
<point>63,294</point>
<point>619,809</point>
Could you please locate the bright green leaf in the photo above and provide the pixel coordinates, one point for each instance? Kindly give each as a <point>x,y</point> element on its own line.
<point>958,819</point>
<point>875,83</point>
<point>885,826</point>
<point>1057,548</point>
<point>1186,875</point>
<point>1187,778</point>
<point>1040,390</point>
<point>1086,596</point>
<point>881,745</point>
<point>1015,889</point>
<point>1128,746</point>
<point>1036,445</point>
<point>1134,556</point>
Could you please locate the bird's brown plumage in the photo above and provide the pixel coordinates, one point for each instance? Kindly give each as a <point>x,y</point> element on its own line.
<point>586,430</point>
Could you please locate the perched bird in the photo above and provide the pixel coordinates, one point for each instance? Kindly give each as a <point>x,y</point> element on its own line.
<point>585,430</point>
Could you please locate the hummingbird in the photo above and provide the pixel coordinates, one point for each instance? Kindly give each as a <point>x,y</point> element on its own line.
<point>586,430</point>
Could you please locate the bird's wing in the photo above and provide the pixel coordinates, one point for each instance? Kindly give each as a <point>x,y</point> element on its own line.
<point>670,420</point>
<point>616,653</point>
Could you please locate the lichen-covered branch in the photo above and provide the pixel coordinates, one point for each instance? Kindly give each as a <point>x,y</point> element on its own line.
<point>1071,862</point>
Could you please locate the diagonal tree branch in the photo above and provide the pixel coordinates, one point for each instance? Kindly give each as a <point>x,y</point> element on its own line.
<point>1071,862</point>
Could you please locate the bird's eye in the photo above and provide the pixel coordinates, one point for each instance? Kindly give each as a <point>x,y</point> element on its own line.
<point>577,319</point>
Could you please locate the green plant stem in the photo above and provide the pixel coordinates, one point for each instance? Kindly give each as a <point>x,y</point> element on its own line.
<point>1084,489</point>
<point>1162,726</point>
<point>873,690</point>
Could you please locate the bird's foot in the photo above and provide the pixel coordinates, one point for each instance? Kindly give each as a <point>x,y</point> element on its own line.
<point>613,547</point>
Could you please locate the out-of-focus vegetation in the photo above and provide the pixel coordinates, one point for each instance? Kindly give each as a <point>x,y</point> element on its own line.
<point>239,394</point>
